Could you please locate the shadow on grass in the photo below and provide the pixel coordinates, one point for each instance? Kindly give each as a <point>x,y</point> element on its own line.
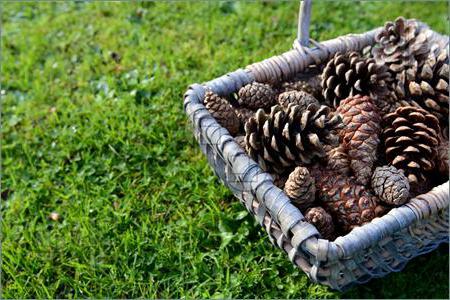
<point>425,277</point>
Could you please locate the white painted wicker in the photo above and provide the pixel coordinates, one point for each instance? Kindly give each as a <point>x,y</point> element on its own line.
<point>384,245</point>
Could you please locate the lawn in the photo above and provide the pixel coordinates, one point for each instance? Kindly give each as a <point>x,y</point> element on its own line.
<point>104,191</point>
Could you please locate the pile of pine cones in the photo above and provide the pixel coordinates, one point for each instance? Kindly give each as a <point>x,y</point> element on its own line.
<point>366,134</point>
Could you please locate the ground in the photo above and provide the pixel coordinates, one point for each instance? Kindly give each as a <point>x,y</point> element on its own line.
<point>104,191</point>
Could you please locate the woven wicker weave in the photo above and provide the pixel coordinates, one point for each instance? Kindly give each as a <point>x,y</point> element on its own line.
<point>384,245</point>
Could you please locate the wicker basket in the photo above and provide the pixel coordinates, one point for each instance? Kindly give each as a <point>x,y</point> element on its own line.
<point>384,245</point>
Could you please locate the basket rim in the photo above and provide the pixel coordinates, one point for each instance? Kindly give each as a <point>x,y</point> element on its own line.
<point>344,246</point>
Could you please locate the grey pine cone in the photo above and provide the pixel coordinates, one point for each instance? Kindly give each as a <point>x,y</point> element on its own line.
<point>390,185</point>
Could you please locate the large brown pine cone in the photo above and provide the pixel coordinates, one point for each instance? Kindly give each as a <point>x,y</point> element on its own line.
<point>391,185</point>
<point>401,45</point>
<point>360,134</point>
<point>257,95</point>
<point>222,111</point>
<point>296,97</point>
<point>410,140</point>
<point>289,137</point>
<point>350,74</point>
<point>429,88</point>
<point>349,203</point>
<point>300,188</point>
<point>419,67</point>
<point>323,221</point>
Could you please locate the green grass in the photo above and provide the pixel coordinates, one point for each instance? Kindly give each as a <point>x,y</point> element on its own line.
<point>106,145</point>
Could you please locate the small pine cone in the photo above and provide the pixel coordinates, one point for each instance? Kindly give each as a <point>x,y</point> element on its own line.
<point>222,111</point>
<point>349,203</point>
<point>337,160</point>
<point>391,185</point>
<point>323,221</point>
<point>257,95</point>
<point>290,137</point>
<point>429,88</point>
<point>244,114</point>
<point>360,135</point>
<point>442,157</point>
<point>350,74</point>
<point>300,188</point>
<point>310,86</point>
<point>296,97</point>
<point>240,139</point>
<point>410,140</point>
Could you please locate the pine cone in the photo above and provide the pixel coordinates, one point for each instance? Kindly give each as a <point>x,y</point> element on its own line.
<point>349,74</point>
<point>222,111</point>
<point>429,88</point>
<point>300,188</point>
<point>298,98</point>
<point>349,203</point>
<point>257,95</point>
<point>442,157</point>
<point>337,160</point>
<point>289,137</point>
<point>410,141</point>
<point>391,185</point>
<point>360,135</point>
<point>240,139</point>
<point>244,114</point>
<point>318,217</point>
<point>310,86</point>
<point>402,47</point>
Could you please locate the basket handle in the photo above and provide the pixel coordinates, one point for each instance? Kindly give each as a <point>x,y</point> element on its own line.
<point>304,18</point>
